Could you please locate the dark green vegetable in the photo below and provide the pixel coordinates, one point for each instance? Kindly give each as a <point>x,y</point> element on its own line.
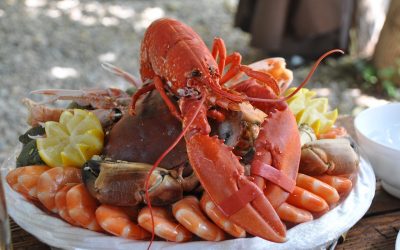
<point>29,155</point>
<point>24,139</point>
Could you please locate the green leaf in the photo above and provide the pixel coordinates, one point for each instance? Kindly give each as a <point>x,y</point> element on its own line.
<point>386,73</point>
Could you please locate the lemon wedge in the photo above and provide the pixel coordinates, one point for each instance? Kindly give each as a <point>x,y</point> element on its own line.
<point>311,111</point>
<point>72,141</point>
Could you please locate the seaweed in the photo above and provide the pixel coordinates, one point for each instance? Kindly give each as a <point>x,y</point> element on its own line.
<point>30,154</point>
<point>35,131</point>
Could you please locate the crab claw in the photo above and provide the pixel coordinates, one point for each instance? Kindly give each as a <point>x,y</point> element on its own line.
<point>328,156</point>
<point>222,176</point>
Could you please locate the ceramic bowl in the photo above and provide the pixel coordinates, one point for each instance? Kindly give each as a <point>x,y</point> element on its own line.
<point>378,133</point>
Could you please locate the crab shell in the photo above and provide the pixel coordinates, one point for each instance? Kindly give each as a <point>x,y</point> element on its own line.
<point>328,156</point>
<point>143,137</point>
<point>123,183</point>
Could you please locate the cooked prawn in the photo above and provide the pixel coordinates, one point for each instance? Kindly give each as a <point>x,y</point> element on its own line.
<point>97,97</point>
<point>39,113</point>
<point>24,179</point>
<point>164,224</point>
<point>342,184</point>
<point>333,133</point>
<point>188,212</point>
<point>116,221</point>
<point>51,181</point>
<point>82,207</point>
<point>325,191</point>
<point>306,200</point>
<point>61,203</point>
<point>293,214</point>
<point>219,219</point>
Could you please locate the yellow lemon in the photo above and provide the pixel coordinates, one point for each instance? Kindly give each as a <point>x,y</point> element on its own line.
<point>71,141</point>
<point>311,111</point>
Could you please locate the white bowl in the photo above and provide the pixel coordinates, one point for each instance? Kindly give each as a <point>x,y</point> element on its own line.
<point>378,133</point>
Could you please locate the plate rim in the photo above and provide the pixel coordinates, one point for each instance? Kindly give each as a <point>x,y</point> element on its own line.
<point>18,202</point>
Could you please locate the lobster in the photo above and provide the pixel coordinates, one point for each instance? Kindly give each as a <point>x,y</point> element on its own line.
<point>175,61</point>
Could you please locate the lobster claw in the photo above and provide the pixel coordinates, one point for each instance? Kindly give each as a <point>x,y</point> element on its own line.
<point>222,176</point>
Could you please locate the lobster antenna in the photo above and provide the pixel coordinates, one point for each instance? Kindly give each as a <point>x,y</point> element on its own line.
<point>120,72</point>
<point>180,136</point>
<point>310,74</point>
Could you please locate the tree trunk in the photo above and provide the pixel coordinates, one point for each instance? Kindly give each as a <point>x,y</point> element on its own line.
<point>369,18</point>
<point>387,51</point>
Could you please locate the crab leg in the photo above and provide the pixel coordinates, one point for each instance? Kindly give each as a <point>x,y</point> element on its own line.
<point>222,176</point>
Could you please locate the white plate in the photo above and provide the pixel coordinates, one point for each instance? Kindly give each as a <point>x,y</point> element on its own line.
<point>316,234</point>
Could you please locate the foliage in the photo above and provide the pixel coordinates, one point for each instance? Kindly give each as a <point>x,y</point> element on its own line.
<point>380,81</point>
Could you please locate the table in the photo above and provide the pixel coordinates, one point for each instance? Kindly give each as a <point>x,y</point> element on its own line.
<point>379,227</point>
<point>376,230</point>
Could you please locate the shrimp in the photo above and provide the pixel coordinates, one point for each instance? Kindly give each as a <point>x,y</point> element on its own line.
<point>98,98</point>
<point>61,204</point>
<point>305,199</point>
<point>51,181</point>
<point>116,221</point>
<point>315,186</point>
<point>188,212</point>
<point>82,207</point>
<point>293,214</point>
<point>39,113</point>
<point>333,133</point>
<point>164,224</point>
<point>219,219</point>
<point>341,184</point>
<point>24,180</point>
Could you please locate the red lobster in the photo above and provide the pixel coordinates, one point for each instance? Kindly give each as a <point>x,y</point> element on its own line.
<point>175,60</point>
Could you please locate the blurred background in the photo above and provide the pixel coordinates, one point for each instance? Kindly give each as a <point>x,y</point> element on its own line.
<point>61,44</point>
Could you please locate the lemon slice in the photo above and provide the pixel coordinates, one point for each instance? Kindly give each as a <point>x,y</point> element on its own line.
<point>71,141</point>
<point>311,111</point>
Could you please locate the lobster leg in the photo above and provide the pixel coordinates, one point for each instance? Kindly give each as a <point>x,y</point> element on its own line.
<point>277,145</point>
<point>156,84</point>
<point>222,176</point>
<point>159,86</point>
<point>143,90</point>
<point>234,60</point>
<point>218,49</point>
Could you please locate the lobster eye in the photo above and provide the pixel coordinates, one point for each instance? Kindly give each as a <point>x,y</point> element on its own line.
<point>196,73</point>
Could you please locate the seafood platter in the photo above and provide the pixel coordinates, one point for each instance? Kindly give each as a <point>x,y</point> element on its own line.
<point>202,151</point>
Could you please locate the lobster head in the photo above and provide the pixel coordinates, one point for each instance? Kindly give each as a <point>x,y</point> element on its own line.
<point>166,43</point>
